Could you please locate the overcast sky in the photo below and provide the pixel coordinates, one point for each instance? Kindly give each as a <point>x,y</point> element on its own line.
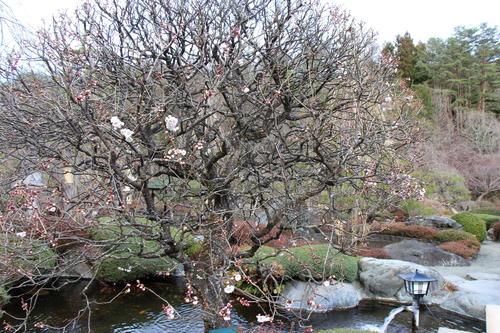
<point>421,18</point>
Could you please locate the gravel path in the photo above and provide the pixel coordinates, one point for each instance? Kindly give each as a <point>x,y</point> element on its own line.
<point>487,261</point>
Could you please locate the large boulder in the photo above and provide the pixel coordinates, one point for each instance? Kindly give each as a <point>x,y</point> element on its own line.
<point>319,297</point>
<point>469,303</point>
<point>471,297</point>
<point>380,277</point>
<point>437,222</point>
<point>423,254</point>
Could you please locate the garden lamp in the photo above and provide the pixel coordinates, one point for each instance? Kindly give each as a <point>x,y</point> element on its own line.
<point>417,285</point>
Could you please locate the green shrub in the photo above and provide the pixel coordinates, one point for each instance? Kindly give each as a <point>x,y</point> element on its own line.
<point>4,296</point>
<point>472,224</point>
<point>345,330</point>
<point>451,235</point>
<point>413,231</point>
<point>488,219</point>
<point>489,211</point>
<point>465,248</point>
<point>444,186</point>
<point>314,261</point>
<point>417,208</point>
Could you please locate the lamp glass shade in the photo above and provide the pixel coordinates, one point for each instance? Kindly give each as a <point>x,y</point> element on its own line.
<point>417,284</point>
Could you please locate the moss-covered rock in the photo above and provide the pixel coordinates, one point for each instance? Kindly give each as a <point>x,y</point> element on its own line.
<point>129,257</point>
<point>314,261</point>
<point>472,224</point>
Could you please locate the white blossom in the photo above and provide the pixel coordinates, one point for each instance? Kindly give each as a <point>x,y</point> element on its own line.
<point>229,289</point>
<point>171,123</point>
<point>264,318</point>
<point>127,134</point>
<point>237,277</point>
<point>246,90</point>
<point>21,234</point>
<point>116,123</point>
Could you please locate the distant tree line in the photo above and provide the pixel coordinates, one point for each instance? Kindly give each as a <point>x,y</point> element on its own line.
<point>467,65</point>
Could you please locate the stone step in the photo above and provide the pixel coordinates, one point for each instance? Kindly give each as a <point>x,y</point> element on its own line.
<point>450,330</point>
<point>492,318</point>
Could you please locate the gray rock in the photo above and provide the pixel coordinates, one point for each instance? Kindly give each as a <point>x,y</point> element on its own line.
<point>472,296</point>
<point>34,179</point>
<point>338,295</point>
<point>380,277</point>
<point>482,276</point>
<point>295,216</point>
<point>438,222</point>
<point>423,254</point>
<point>469,304</point>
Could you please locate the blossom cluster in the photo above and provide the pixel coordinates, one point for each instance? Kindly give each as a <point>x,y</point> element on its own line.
<point>225,312</point>
<point>169,311</point>
<point>189,296</point>
<point>264,318</point>
<point>171,123</point>
<point>117,125</point>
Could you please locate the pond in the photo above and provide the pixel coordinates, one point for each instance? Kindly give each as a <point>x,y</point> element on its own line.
<point>142,312</point>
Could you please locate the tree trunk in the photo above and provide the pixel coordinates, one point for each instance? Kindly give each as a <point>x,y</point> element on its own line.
<point>208,287</point>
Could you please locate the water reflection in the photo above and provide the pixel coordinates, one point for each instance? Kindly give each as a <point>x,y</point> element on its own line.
<point>142,312</point>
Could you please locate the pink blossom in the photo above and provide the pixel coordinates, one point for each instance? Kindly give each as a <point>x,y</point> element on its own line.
<point>169,311</point>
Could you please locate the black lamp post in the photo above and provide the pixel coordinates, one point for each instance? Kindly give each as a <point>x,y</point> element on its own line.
<point>417,285</point>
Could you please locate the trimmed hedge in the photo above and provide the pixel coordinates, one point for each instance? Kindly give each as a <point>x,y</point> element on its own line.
<point>317,261</point>
<point>488,219</point>
<point>489,211</point>
<point>496,231</point>
<point>472,224</point>
<point>451,235</point>
<point>413,231</point>
<point>465,248</point>
<point>373,253</point>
